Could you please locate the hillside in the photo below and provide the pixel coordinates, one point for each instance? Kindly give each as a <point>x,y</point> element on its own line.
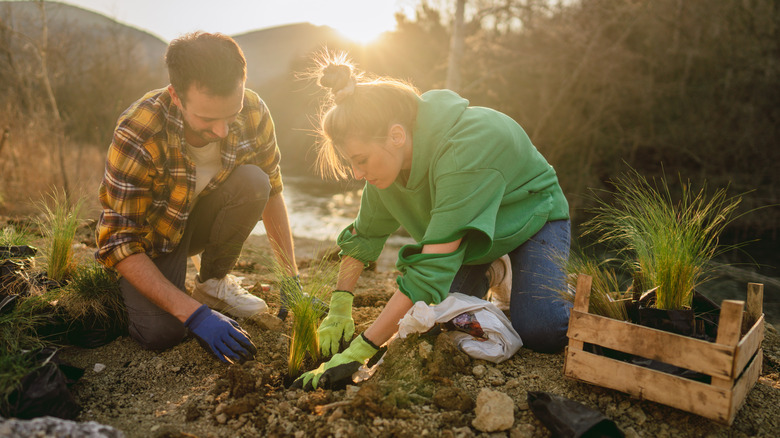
<point>273,53</point>
<point>25,17</point>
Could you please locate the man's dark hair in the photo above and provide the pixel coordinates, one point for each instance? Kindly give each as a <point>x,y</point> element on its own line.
<point>211,61</point>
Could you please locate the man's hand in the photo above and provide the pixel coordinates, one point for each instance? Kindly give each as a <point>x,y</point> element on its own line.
<point>220,335</point>
<point>336,372</point>
<point>290,291</point>
<point>338,326</point>
<point>288,288</point>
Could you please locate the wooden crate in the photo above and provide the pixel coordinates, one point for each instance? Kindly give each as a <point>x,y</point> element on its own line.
<point>733,360</point>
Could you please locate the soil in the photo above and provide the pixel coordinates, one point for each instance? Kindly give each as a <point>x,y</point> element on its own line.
<point>184,392</point>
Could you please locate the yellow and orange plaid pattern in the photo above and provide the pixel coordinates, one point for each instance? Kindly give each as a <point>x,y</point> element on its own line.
<point>148,185</point>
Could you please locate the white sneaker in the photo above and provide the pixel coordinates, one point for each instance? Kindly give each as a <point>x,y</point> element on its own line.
<point>227,295</point>
<point>500,277</point>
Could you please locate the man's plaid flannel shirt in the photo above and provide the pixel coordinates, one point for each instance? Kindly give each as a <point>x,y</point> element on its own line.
<point>148,185</point>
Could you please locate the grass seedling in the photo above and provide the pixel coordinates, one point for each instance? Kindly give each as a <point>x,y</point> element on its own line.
<point>12,236</point>
<point>13,367</point>
<point>93,297</point>
<point>666,243</point>
<point>307,309</point>
<point>59,222</point>
<point>606,297</point>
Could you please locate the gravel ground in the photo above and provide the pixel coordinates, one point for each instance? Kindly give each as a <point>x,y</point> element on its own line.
<point>183,392</point>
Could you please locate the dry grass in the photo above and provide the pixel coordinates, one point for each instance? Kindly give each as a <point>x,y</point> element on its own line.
<point>29,166</point>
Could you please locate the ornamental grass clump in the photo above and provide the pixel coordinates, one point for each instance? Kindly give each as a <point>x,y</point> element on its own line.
<point>13,368</point>
<point>59,223</point>
<point>307,308</point>
<point>13,236</point>
<point>93,298</point>
<point>666,243</point>
<point>606,297</point>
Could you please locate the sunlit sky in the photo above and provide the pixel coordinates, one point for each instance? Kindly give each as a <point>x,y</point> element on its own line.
<point>360,20</point>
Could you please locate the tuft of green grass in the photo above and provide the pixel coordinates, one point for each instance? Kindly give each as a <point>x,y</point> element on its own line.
<point>59,222</point>
<point>13,367</point>
<point>307,310</point>
<point>93,297</point>
<point>607,298</point>
<point>666,243</point>
<point>13,236</point>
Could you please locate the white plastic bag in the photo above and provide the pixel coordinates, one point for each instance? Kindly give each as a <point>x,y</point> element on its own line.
<point>500,341</point>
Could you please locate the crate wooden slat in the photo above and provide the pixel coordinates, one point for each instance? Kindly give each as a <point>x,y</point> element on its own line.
<point>733,361</point>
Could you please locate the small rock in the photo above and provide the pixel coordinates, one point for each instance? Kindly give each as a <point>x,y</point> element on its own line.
<point>495,377</point>
<point>98,367</point>
<point>630,432</point>
<point>479,371</point>
<point>266,321</point>
<point>453,399</point>
<point>425,350</point>
<point>221,418</point>
<point>637,414</point>
<point>513,383</point>
<point>337,414</point>
<point>522,431</point>
<point>495,411</point>
<point>192,412</point>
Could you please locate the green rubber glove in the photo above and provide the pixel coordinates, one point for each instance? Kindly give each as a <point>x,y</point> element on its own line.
<point>338,326</point>
<point>338,371</point>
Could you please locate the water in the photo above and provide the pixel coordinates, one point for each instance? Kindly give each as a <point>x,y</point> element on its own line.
<point>318,209</point>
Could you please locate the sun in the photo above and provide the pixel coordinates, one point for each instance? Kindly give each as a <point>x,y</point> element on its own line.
<point>362,31</point>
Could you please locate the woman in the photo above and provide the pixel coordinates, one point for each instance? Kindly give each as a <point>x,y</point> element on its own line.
<point>465,182</point>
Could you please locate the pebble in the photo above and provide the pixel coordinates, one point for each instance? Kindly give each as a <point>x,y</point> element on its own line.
<point>522,431</point>
<point>221,418</point>
<point>479,371</point>
<point>425,350</point>
<point>637,414</point>
<point>98,367</point>
<point>495,377</point>
<point>630,432</point>
<point>494,412</point>
<point>338,413</point>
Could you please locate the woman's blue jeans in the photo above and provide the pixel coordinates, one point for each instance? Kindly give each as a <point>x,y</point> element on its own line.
<point>538,313</point>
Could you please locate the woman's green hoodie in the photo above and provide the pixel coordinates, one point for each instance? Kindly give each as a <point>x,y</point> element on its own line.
<point>475,174</point>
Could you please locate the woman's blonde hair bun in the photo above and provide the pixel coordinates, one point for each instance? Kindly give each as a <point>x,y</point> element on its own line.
<point>338,78</point>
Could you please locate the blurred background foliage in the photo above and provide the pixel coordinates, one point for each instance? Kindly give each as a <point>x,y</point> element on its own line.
<point>683,88</point>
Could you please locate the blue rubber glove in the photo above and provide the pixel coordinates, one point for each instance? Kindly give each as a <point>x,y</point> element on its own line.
<point>338,371</point>
<point>291,290</point>
<point>220,335</point>
<point>338,327</point>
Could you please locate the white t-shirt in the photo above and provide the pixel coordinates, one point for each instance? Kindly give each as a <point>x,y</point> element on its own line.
<point>207,161</point>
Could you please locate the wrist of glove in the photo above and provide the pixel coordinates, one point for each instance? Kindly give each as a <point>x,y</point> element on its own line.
<point>291,292</point>
<point>337,372</point>
<point>338,327</point>
<point>220,335</point>
<point>288,289</point>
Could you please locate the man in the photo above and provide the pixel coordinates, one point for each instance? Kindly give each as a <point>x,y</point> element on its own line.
<point>191,169</point>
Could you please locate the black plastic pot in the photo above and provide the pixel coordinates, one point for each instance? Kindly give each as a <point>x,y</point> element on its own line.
<point>45,391</point>
<point>87,334</point>
<point>569,419</point>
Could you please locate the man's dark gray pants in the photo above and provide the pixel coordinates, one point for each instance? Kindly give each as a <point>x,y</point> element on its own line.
<point>217,228</point>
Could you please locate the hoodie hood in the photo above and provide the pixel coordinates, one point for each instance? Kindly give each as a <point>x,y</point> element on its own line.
<point>437,112</point>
